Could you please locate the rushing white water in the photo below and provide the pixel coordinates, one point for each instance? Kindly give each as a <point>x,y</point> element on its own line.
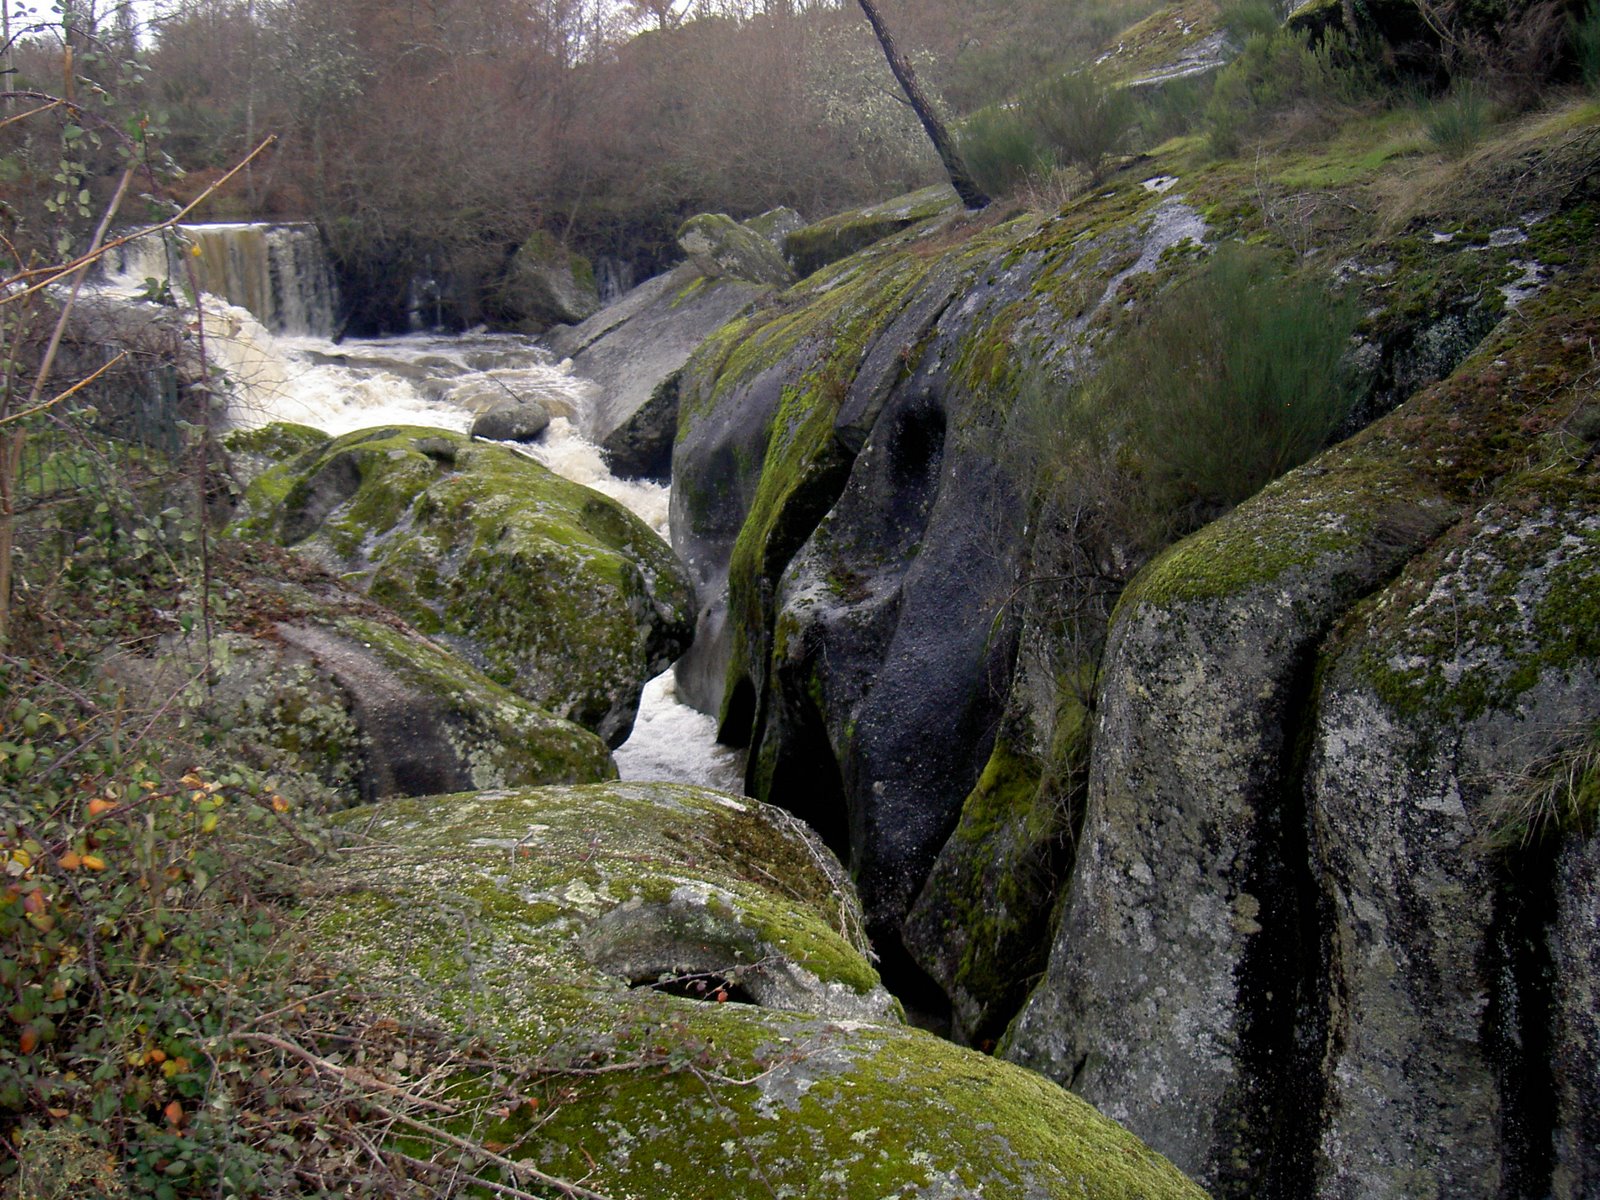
<point>443,382</point>
<point>674,742</point>
<point>277,272</point>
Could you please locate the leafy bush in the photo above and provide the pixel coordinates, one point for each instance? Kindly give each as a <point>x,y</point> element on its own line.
<point>1584,34</point>
<point>1073,120</point>
<point>1458,122</point>
<point>1001,150</point>
<point>1233,378</point>
<point>129,948</point>
<point>1080,118</point>
<point>1245,19</point>
<point>1171,108</point>
<point>1278,71</point>
<point>1226,381</point>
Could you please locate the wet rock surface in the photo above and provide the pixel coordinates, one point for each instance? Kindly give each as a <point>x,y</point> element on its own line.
<point>530,915</point>
<point>553,590</point>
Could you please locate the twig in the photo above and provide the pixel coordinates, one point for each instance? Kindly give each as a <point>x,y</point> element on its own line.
<point>77,284</point>
<point>475,1148</point>
<point>32,112</point>
<point>352,1074</point>
<point>176,219</point>
<point>46,405</point>
<point>503,1189</point>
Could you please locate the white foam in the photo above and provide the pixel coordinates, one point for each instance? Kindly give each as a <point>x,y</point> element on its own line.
<point>672,742</point>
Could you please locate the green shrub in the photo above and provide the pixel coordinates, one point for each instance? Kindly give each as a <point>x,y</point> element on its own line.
<point>1244,19</point>
<point>1278,71</point>
<point>1458,122</point>
<point>1584,34</point>
<point>1171,108</point>
<point>1228,380</point>
<point>1080,119</point>
<point>1232,378</point>
<point>1002,150</point>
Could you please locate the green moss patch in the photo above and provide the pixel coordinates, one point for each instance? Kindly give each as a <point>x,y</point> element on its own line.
<point>556,591</point>
<point>475,910</point>
<point>816,246</point>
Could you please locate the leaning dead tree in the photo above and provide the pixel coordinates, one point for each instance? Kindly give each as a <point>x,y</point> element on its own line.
<point>960,178</point>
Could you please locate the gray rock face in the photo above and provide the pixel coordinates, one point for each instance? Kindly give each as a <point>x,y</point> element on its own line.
<point>719,246</point>
<point>1185,874</point>
<point>511,420</point>
<point>635,349</point>
<point>855,527</point>
<point>1576,1050</point>
<point>546,283</point>
<point>1439,1032</point>
<point>776,224</point>
<point>1297,953</point>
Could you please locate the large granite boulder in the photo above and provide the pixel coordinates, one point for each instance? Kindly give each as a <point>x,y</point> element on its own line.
<point>677,981</point>
<point>855,523</point>
<point>815,246</point>
<point>634,351</point>
<point>553,590</point>
<point>546,284</point>
<point>1296,950</point>
<point>720,246</point>
<point>332,691</point>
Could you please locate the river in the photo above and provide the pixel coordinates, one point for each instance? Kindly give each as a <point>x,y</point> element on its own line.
<point>255,276</point>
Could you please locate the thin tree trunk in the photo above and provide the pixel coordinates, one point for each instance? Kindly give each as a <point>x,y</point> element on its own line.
<point>971,194</point>
<point>10,468</point>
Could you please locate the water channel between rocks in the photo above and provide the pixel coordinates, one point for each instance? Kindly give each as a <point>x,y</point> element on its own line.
<point>441,381</point>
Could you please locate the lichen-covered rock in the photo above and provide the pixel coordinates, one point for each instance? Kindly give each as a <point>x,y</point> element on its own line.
<point>349,702</point>
<point>635,349</point>
<point>719,246</point>
<point>1481,658</point>
<point>776,224</point>
<point>546,283</point>
<point>502,915</point>
<point>854,520</point>
<point>1576,1032</point>
<point>553,590</point>
<point>817,245</point>
<point>981,924</point>
<point>1279,973</point>
<point>511,419</point>
<point>252,452</point>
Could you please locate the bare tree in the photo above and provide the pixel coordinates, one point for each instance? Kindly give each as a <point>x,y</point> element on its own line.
<point>960,178</point>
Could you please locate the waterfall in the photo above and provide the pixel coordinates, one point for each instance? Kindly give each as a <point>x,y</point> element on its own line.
<point>424,379</point>
<point>277,272</point>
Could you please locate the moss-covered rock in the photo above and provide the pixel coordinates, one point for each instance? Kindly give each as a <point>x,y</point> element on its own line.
<point>634,351</point>
<point>815,246</point>
<point>497,914</point>
<point>719,245</point>
<point>842,465</point>
<point>344,703</point>
<point>1479,662</point>
<point>554,590</point>
<point>252,452</point>
<point>546,283</point>
<point>1356,934</point>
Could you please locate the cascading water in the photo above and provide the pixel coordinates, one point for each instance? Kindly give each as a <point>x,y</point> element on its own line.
<point>278,272</point>
<point>416,379</point>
